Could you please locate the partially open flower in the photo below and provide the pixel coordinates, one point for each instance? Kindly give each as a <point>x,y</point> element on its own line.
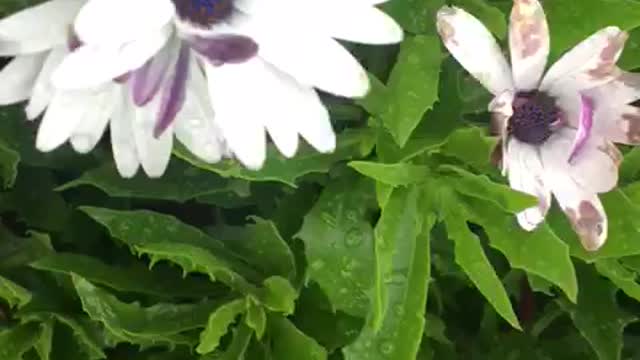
<point>262,60</point>
<point>557,130</point>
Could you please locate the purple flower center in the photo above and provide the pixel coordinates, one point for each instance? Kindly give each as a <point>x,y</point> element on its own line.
<point>534,116</point>
<point>203,13</point>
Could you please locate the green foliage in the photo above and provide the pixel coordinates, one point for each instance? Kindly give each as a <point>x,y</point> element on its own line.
<point>402,244</point>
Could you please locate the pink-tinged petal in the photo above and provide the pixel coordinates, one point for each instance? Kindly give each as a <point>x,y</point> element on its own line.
<point>146,81</point>
<point>528,42</point>
<point>583,208</point>
<point>173,93</point>
<point>475,49</point>
<point>526,174</point>
<point>224,48</point>
<point>588,64</point>
<point>584,126</point>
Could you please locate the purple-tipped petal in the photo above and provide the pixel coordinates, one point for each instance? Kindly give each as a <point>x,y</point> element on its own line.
<point>584,126</point>
<point>147,80</point>
<point>225,49</point>
<point>173,92</point>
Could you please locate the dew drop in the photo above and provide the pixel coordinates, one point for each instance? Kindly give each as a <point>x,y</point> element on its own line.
<point>386,347</point>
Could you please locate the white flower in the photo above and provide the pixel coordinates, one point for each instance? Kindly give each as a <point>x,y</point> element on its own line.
<point>82,116</point>
<point>262,59</point>
<point>557,131</point>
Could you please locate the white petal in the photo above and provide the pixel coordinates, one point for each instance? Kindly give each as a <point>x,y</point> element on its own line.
<point>195,123</point>
<point>314,60</point>
<point>583,208</point>
<point>87,134</point>
<point>123,142</point>
<point>528,42</point>
<point>43,89</point>
<point>475,49</point>
<point>122,21</point>
<point>90,66</point>
<point>38,28</point>
<point>526,175</point>
<point>18,77</point>
<point>65,112</point>
<point>588,64</point>
<point>154,154</point>
<point>594,169</point>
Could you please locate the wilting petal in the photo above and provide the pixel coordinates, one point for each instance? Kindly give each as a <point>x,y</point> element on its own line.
<point>63,115</point>
<point>123,142</point>
<point>91,66</point>
<point>87,134</point>
<point>173,92</point>
<point>37,28</point>
<point>121,21</point>
<point>154,153</point>
<point>475,49</point>
<point>43,89</point>
<point>594,168</point>
<point>584,126</point>
<point>528,42</point>
<point>18,77</point>
<point>501,108</point>
<point>526,175</point>
<point>146,81</point>
<point>583,208</point>
<point>224,48</point>
<point>588,64</point>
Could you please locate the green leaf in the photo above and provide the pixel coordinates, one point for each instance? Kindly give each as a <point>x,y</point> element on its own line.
<point>256,318</point>
<point>470,255</point>
<point>180,182</point>
<point>339,243</point>
<point>158,324</point>
<point>351,144</point>
<point>289,343</point>
<point>45,342</point>
<point>401,330</point>
<point>8,166</point>
<point>411,14</point>
<point>16,251</point>
<point>481,187</point>
<point>242,335</point>
<point>218,325</point>
<point>570,27</point>
<point>126,279</point>
<point>472,146</point>
<point>259,244</point>
<point>597,315</point>
<point>490,16</point>
<point>622,277</point>
<point>278,295</point>
<point>630,58</point>
<point>412,86</point>
<point>18,340</point>
<point>14,294</point>
<point>392,174</point>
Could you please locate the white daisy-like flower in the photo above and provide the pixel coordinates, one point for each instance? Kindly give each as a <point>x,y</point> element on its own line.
<point>40,37</point>
<point>262,60</point>
<point>557,130</point>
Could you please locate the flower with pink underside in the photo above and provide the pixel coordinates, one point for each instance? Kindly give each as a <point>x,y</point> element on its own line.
<point>557,131</point>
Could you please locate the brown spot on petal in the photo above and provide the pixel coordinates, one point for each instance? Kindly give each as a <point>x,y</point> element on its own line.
<point>446,31</point>
<point>607,61</point>
<point>587,222</point>
<point>631,126</point>
<point>496,155</point>
<point>529,27</point>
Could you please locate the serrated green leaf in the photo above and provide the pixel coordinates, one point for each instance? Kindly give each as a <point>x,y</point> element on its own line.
<point>622,277</point>
<point>259,244</point>
<point>14,294</point>
<point>470,255</point>
<point>18,340</point>
<point>218,324</point>
<point>289,343</point>
<point>472,146</point>
<point>411,14</point>
<point>242,335</point>
<point>481,187</point>
<point>339,243</point>
<point>180,182</point>
<point>158,324</point>
<point>130,279</point>
<point>392,174</point>
<point>45,342</point>
<point>401,330</point>
<point>287,171</point>
<point>540,252</point>
<point>412,86</point>
<point>597,315</point>
<point>16,251</point>
<point>256,318</point>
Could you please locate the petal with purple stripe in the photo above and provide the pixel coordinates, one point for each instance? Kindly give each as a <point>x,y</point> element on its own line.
<point>173,92</point>
<point>224,49</point>
<point>584,126</point>
<point>146,81</point>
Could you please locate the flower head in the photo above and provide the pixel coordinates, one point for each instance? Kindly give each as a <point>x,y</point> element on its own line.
<point>261,61</point>
<point>557,130</point>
